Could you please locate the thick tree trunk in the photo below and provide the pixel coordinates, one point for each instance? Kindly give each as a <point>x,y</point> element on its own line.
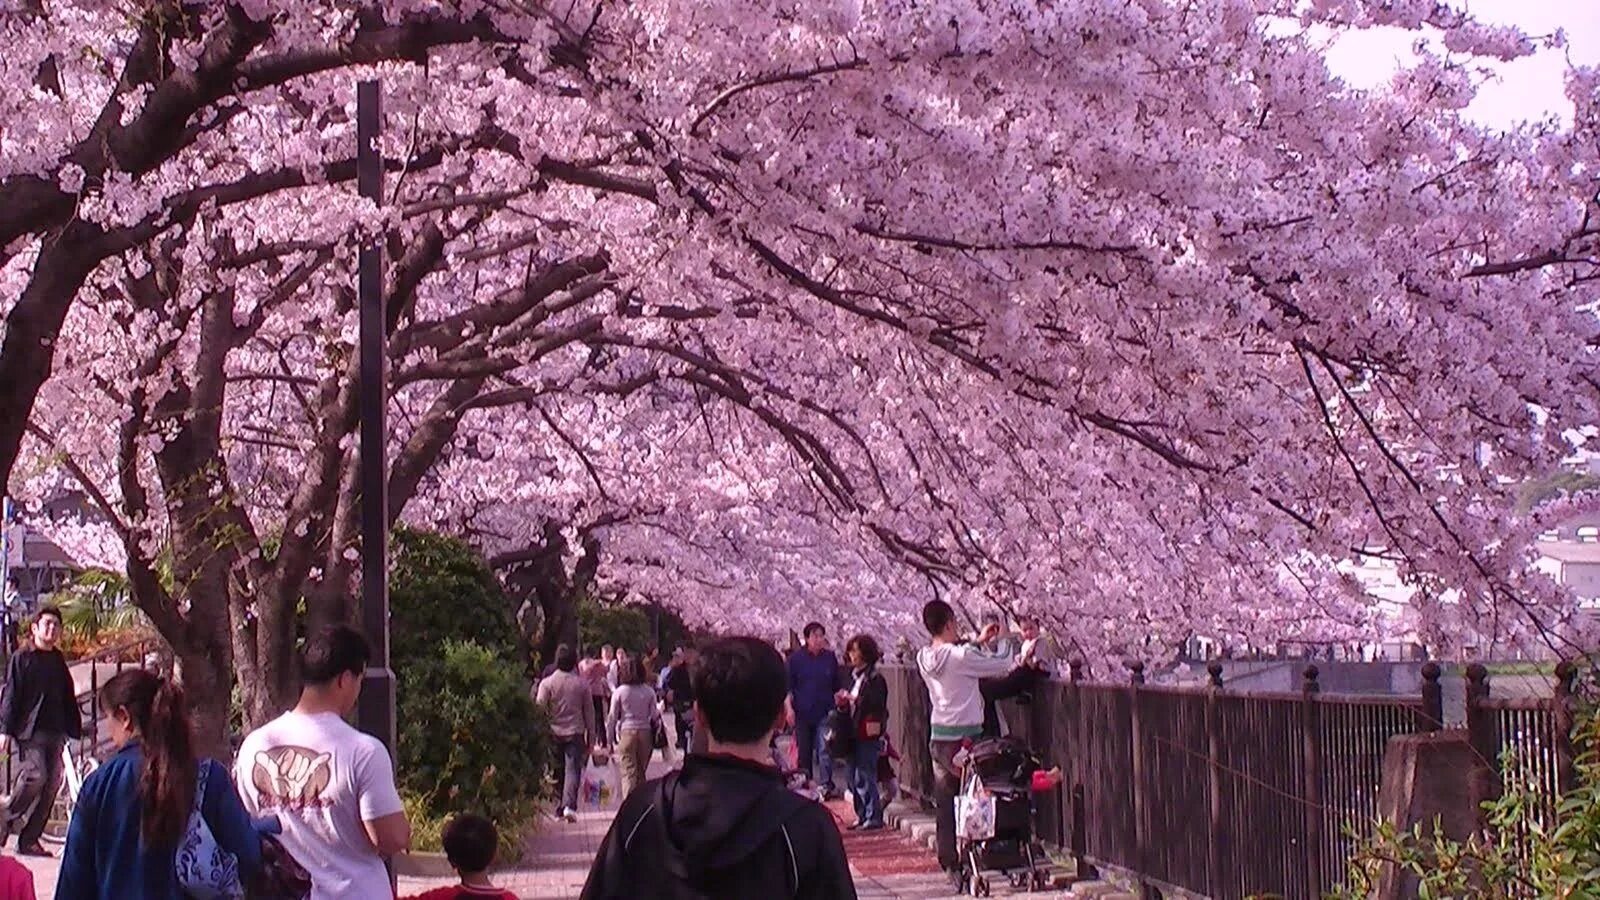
<point>208,683</point>
<point>536,574</point>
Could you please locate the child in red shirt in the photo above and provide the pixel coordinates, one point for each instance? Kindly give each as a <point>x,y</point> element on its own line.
<point>469,844</point>
<point>16,882</point>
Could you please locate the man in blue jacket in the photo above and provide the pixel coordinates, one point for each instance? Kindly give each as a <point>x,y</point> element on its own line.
<point>813,678</point>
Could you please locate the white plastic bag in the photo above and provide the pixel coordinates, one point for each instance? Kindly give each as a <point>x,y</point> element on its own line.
<point>975,815</point>
<point>599,785</point>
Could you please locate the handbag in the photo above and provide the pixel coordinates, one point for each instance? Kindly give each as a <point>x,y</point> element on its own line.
<point>281,877</point>
<point>658,734</point>
<point>205,871</point>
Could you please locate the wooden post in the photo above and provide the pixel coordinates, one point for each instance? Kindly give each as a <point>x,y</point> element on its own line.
<point>1430,716</point>
<point>1082,868</point>
<point>1217,835</point>
<point>1561,723</point>
<point>1311,730</point>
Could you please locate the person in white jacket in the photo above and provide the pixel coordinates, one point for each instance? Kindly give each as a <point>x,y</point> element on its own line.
<point>952,669</point>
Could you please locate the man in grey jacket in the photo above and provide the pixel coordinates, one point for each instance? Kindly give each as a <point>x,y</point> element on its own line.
<point>568,702</point>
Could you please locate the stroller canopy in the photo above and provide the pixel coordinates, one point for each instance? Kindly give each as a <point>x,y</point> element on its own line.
<point>1004,760</point>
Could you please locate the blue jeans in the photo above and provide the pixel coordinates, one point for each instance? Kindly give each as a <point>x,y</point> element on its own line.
<point>862,770</point>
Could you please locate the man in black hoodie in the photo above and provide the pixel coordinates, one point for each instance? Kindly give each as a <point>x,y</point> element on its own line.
<point>725,826</point>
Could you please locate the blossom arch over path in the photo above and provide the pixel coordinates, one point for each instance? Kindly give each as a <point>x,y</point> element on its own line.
<point>1126,313</point>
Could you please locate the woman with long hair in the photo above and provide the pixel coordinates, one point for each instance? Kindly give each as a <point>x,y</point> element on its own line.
<point>868,697</point>
<point>133,814</point>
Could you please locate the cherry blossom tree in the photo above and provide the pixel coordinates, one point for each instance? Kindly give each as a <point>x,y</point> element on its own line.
<point>1127,314</point>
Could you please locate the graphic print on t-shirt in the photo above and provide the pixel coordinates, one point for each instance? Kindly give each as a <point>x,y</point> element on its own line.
<point>290,777</point>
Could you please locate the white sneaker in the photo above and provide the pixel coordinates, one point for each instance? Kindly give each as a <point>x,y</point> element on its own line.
<point>571,815</point>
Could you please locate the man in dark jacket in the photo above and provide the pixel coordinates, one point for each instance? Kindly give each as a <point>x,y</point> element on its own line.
<point>813,679</point>
<point>679,694</point>
<point>39,714</point>
<point>725,826</point>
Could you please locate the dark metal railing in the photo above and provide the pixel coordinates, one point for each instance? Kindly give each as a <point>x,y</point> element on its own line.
<point>1234,794</point>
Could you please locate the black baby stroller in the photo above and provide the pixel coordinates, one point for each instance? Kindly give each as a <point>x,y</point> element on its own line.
<point>994,817</point>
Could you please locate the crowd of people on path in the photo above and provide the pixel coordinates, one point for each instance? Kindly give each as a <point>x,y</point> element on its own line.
<point>310,806</point>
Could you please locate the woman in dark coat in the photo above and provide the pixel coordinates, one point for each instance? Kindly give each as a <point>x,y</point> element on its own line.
<point>868,696</point>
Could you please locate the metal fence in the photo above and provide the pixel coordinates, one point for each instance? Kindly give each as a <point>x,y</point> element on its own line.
<point>1234,795</point>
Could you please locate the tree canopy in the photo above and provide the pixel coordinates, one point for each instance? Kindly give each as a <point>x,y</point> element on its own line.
<point>1127,313</point>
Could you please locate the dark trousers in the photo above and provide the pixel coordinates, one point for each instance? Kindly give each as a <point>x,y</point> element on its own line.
<point>38,782</point>
<point>600,728</point>
<point>946,785</point>
<point>683,722</point>
<point>570,753</point>
<point>1012,684</point>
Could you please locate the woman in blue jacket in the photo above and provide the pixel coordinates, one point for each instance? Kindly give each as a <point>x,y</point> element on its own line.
<point>133,812</point>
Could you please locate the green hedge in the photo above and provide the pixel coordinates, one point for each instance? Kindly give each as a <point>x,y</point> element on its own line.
<point>471,738</point>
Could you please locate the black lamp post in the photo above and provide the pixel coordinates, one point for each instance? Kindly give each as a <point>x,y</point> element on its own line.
<point>375,715</point>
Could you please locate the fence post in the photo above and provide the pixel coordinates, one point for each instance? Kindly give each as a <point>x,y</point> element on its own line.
<point>1430,716</point>
<point>1080,815</point>
<point>1141,791</point>
<point>1217,835</point>
<point>1482,729</point>
<point>1311,732</point>
<point>1561,715</point>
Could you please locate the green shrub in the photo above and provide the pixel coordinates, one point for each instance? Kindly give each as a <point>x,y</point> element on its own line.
<point>470,737</point>
<point>440,588</point>
<point>472,740</point>
<point>599,624</point>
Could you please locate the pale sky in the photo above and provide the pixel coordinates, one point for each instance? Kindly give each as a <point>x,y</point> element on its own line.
<point>1528,88</point>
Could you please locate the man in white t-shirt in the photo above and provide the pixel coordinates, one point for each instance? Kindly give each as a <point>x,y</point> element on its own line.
<point>331,786</point>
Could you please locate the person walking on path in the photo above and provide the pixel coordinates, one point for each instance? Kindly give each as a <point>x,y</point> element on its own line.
<point>868,699</point>
<point>725,827</point>
<point>952,671</point>
<point>813,681</point>
<point>331,786</point>
<point>680,696</point>
<point>38,715</point>
<point>569,704</point>
<point>593,671</point>
<point>632,723</point>
<point>133,812</point>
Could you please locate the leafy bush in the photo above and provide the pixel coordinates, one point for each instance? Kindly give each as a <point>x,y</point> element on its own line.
<point>472,740</point>
<point>96,614</point>
<point>441,588</point>
<point>599,624</point>
<point>470,736</point>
